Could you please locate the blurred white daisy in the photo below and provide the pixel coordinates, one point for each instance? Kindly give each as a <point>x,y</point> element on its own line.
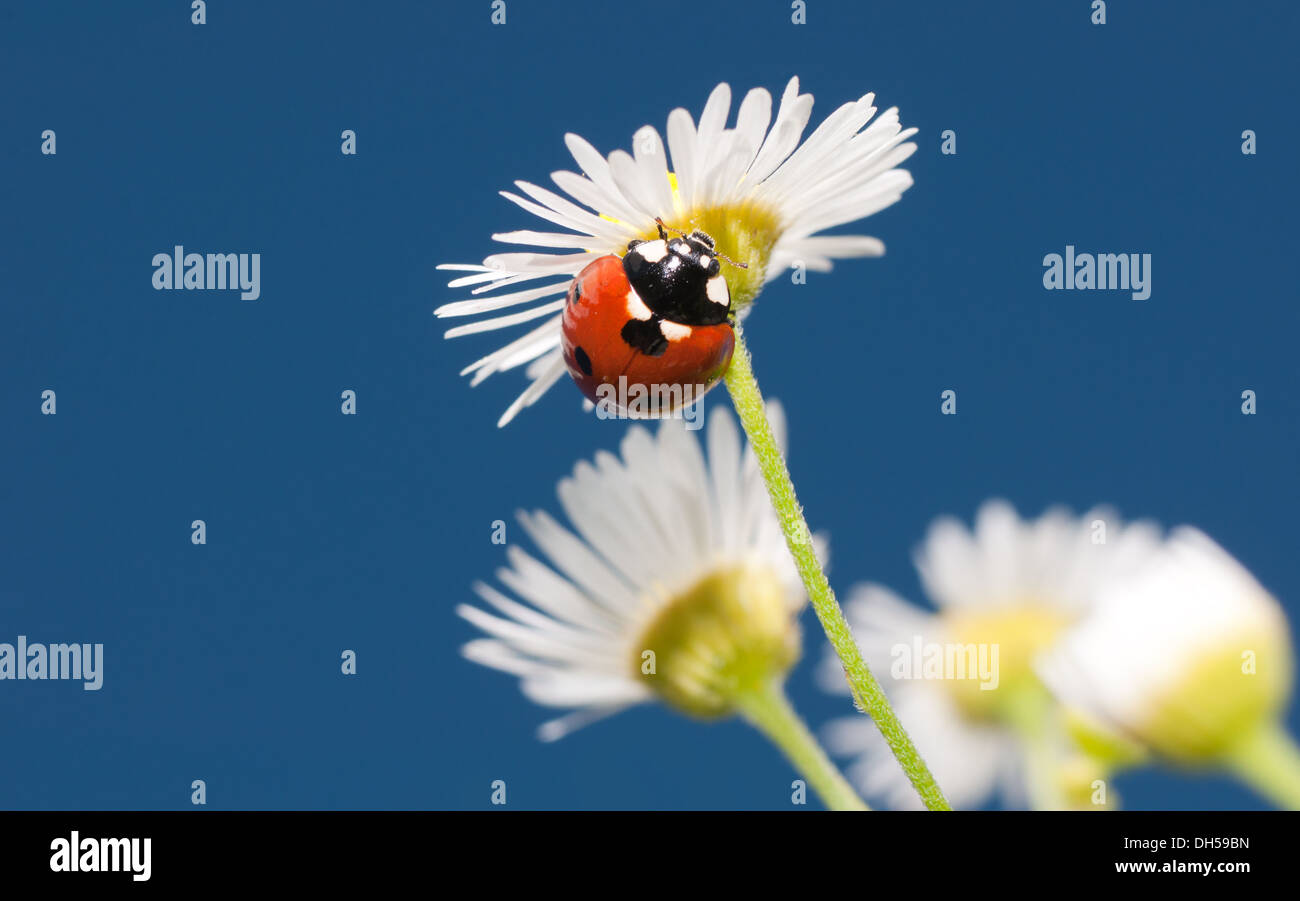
<point>674,583</point>
<point>1191,658</point>
<point>961,679</point>
<point>754,187</point>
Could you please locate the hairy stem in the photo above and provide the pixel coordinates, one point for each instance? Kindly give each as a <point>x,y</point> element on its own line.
<point>866,690</point>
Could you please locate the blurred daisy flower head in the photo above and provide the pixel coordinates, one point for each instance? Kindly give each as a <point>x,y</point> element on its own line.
<point>1191,657</point>
<point>760,188</point>
<point>672,583</point>
<point>962,678</point>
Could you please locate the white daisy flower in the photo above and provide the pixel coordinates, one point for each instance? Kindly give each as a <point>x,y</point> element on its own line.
<point>673,583</point>
<point>1190,657</point>
<point>961,679</point>
<point>760,193</point>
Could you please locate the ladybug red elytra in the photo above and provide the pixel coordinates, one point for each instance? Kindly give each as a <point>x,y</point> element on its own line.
<point>658,318</point>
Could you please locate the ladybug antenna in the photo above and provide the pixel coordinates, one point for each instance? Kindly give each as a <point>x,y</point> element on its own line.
<point>717,253</point>
<point>722,256</point>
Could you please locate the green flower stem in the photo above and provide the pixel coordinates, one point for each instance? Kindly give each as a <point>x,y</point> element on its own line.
<point>867,692</point>
<point>769,711</point>
<point>1268,760</point>
<point>1028,709</point>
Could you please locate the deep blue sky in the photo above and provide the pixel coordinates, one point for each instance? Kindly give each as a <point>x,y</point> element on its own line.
<point>329,532</point>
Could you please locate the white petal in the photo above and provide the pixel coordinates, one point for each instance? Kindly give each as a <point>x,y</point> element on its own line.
<point>521,350</point>
<point>549,377</point>
<point>682,145</point>
<point>488,325</point>
<point>837,246</point>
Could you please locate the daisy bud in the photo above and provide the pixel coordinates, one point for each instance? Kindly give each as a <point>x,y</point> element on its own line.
<point>1190,657</point>
<point>673,584</point>
<point>724,637</point>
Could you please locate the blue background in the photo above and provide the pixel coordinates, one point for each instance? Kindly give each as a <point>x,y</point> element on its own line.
<point>328,532</point>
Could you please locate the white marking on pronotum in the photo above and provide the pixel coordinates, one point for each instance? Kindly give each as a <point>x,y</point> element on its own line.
<point>705,260</point>
<point>674,331</point>
<point>636,307</point>
<point>716,289</point>
<point>651,251</point>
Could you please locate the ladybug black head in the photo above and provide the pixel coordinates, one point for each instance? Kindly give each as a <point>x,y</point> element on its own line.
<point>679,278</point>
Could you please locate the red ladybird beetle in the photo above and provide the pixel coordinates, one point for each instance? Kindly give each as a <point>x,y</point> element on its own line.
<point>659,318</point>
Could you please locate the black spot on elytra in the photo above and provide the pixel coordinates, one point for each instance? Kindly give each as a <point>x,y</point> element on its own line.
<point>584,361</point>
<point>575,293</point>
<point>646,336</point>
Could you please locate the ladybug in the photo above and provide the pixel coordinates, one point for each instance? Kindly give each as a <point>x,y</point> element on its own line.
<point>659,318</point>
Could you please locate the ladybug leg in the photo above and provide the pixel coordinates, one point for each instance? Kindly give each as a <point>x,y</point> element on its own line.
<point>631,358</point>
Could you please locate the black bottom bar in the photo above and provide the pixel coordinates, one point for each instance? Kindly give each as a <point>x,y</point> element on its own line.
<point>559,850</point>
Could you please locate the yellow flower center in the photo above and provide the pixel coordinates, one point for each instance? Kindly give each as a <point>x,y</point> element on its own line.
<point>1007,639</point>
<point>743,232</point>
<point>729,634</point>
